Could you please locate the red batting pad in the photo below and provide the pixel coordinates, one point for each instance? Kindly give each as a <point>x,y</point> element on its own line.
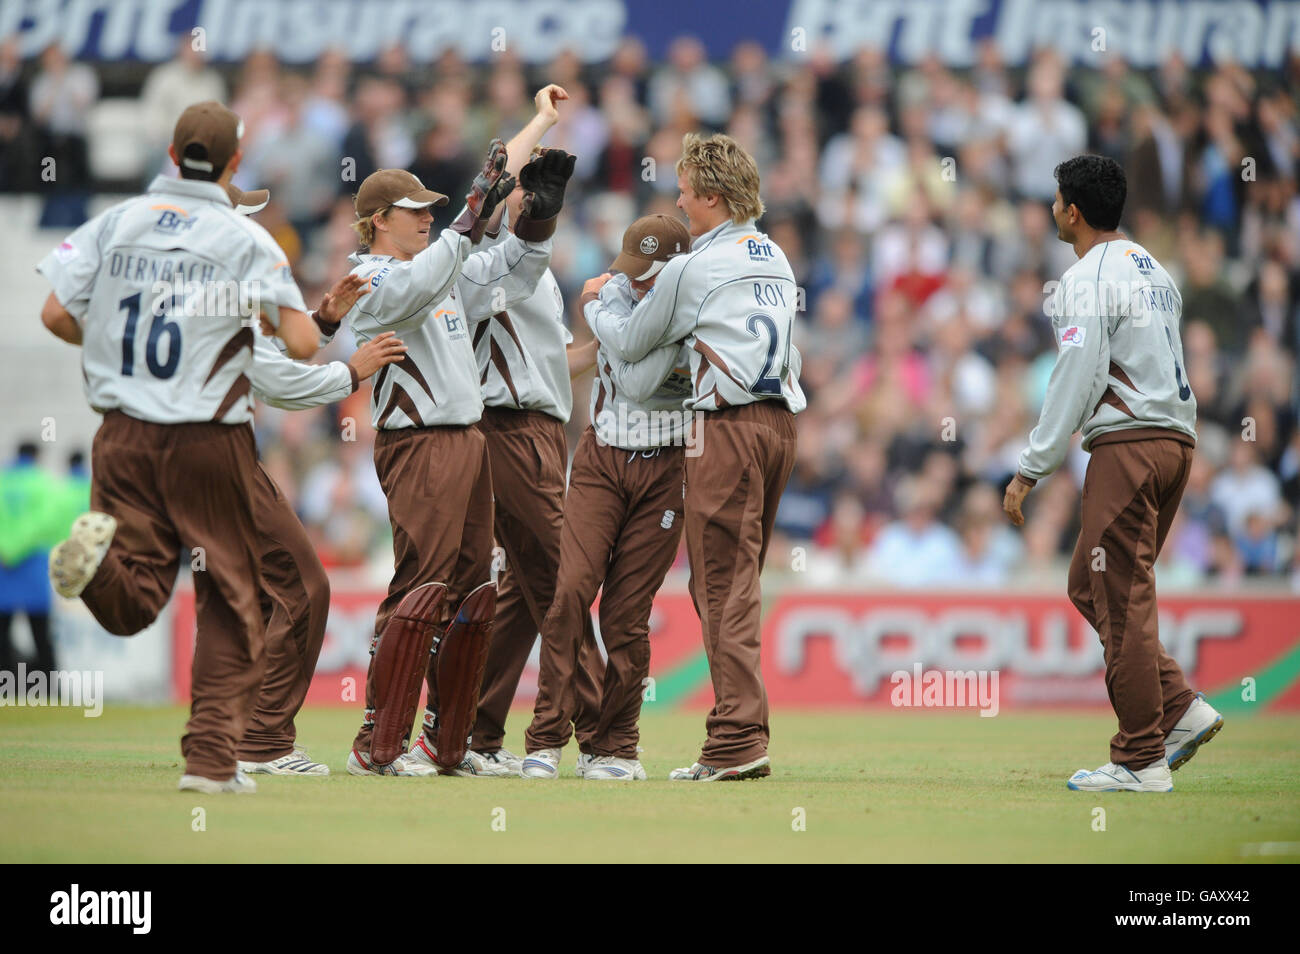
<point>401,660</point>
<point>462,654</point>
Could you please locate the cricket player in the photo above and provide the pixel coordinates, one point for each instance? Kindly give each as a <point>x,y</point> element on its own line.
<point>524,368</point>
<point>623,526</point>
<point>296,596</point>
<point>160,291</point>
<point>1119,378</point>
<point>430,458</point>
<point>732,300</point>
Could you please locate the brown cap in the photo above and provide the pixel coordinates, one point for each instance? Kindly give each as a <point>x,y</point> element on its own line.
<point>206,136</point>
<point>394,187</point>
<point>246,203</point>
<point>648,243</point>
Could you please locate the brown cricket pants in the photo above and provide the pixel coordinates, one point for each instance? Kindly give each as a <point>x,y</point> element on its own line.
<point>733,487</point>
<point>622,527</point>
<point>295,605</point>
<point>439,486</point>
<point>174,488</point>
<point>1134,483</point>
<point>529,453</point>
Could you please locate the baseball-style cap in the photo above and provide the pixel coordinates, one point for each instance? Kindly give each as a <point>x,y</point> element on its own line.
<point>394,187</point>
<point>247,203</point>
<point>648,243</point>
<point>206,136</point>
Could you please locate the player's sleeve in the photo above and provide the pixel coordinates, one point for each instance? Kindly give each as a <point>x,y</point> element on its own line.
<point>664,315</point>
<point>502,276</point>
<point>71,267</point>
<point>271,285</point>
<point>639,380</point>
<point>401,292</point>
<point>280,381</point>
<point>1077,380</point>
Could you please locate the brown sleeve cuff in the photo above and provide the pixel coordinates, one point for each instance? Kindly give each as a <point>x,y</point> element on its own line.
<point>535,230</point>
<point>356,380</point>
<point>328,329</point>
<point>1026,480</point>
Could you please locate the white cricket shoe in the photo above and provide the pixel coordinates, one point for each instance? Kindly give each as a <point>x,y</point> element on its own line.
<point>1199,724</point>
<point>500,764</point>
<point>584,762</point>
<point>1116,778</point>
<point>403,765</point>
<point>612,768</point>
<point>544,763</point>
<point>295,763</point>
<point>759,768</point>
<point>75,561</point>
<point>239,784</point>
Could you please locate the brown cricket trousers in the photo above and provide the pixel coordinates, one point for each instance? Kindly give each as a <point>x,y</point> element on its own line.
<point>439,486</point>
<point>188,488</point>
<point>295,605</point>
<point>733,487</point>
<point>1134,483</point>
<point>529,453</point>
<point>623,523</point>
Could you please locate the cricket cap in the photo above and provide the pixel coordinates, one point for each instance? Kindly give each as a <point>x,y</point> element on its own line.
<point>648,243</point>
<point>247,203</point>
<point>394,187</point>
<point>206,136</point>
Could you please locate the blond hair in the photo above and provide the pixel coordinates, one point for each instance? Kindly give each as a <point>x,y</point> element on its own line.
<point>719,166</point>
<point>365,228</point>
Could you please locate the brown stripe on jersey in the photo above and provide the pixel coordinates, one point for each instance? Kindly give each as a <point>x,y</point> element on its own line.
<point>712,355</point>
<point>1121,376</point>
<point>243,339</point>
<point>600,399</point>
<point>407,364</point>
<point>400,399</point>
<point>237,390</point>
<point>509,326</point>
<point>1114,400</point>
<point>480,331</point>
<point>377,385</point>
<point>609,373</point>
<point>499,362</point>
<point>719,401</point>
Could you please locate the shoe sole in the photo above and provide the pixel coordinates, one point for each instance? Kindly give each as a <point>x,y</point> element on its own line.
<point>525,773</point>
<point>207,786</point>
<point>1119,788</point>
<point>75,561</point>
<point>1184,755</point>
<point>761,768</point>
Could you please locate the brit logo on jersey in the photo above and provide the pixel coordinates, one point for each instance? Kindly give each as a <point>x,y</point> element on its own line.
<point>174,220</point>
<point>759,250</point>
<point>1144,263</point>
<point>1072,336</point>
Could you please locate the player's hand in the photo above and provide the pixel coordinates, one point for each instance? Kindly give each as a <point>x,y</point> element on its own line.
<point>547,101</point>
<point>264,320</point>
<point>543,179</point>
<point>1015,495</point>
<point>380,350</point>
<point>592,286</point>
<point>338,301</point>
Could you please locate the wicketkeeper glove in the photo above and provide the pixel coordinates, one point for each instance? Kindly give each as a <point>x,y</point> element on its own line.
<point>490,188</point>
<point>543,180</point>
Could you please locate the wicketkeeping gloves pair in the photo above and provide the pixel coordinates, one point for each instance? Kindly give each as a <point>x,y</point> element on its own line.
<point>490,187</point>
<point>543,179</point>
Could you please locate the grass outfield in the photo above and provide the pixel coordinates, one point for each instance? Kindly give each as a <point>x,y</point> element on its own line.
<point>906,787</point>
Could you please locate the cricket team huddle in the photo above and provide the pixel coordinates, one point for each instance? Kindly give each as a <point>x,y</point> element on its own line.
<point>463,334</point>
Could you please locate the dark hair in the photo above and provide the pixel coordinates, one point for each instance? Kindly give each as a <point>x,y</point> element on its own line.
<point>1096,185</point>
<point>28,450</point>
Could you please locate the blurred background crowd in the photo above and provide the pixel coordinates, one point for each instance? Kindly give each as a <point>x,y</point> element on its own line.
<point>914,206</point>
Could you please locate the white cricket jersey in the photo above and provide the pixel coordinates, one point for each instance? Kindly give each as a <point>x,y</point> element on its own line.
<point>282,382</point>
<point>639,405</point>
<point>160,285</point>
<point>522,354</point>
<point>1116,315</point>
<point>732,299</point>
<point>433,303</point>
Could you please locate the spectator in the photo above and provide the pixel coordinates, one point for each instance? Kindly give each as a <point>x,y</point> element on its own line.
<point>61,97</point>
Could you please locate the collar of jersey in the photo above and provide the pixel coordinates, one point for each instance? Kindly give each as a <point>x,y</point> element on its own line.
<point>191,188</point>
<point>717,230</point>
<point>356,258</point>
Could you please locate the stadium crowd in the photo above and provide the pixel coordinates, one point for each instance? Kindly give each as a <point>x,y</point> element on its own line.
<point>914,206</point>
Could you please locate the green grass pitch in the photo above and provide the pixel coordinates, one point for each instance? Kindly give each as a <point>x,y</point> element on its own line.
<point>881,786</point>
